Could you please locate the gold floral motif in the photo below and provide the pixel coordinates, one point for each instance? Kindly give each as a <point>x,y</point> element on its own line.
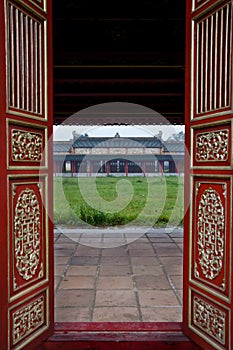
<point>27,234</point>
<point>212,146</point>
<point>28,319</point>
<point>209,319</point>
<point>210,227</point>
<point>26,146</point>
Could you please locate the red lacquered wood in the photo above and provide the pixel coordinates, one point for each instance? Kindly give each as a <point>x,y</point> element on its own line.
<point>20,294</point>
<point>118,327</point>
<point>212,298</point>
<point>3,194</point>
<point>104,336</point>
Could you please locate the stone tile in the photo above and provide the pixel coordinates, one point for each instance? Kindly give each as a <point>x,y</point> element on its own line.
<point>152,282</point>
<point>109,240</point>
<point>147,270</point>
<point>175,235</point>
<point>180,295</point>
<point>177,280</point>
<point>178,240</point>
<point>72,314</point>
<point>160,298</point>
<point>64,240</point>
<point>69,246</point>
<point>87,252</point>
<point>161,234</point>
<point>108,260</point>
<point>162,314</point>
<point>89,241</point>
<point>74,298</point>
<point>174,251</point>
<point>61,260</point>
<point>141,252</point>
<point>173,265</point>
<point>119,251</point>
<point>115,298</point>
<point>63,252</point>
<point>144,261</point>
<point>110,234</point>
<point>139,246</point>
<point>59,270</point>
<point>136,239</point>
<point>116,282</point>
<point>81,271</point>
<point>161,239</point>
<point>181,246</point>
<point>113,270</point>
<point>56,282</point>
<point>92,234</point>
<point>77,282</point>
<point>116,314</point>
<point>84,260</point>
<point>159,245</point>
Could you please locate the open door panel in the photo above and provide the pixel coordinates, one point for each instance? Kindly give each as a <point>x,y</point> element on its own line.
<point>26,293</point>
<point>208,223</point>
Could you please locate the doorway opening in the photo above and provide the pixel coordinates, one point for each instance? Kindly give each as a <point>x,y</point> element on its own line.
<point>110,267</point>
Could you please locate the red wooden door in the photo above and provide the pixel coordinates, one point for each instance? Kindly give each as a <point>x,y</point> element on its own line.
<point>208,223</point>
<point>26,293</point>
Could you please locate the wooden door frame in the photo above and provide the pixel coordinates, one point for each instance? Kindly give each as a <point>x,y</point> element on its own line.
<point>165,334</point>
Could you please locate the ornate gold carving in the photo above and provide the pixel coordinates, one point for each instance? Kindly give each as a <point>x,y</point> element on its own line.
<point>212,146</point>
<point>209,319</point>
<point>27,233</point>
<point>26,146</point>
<point>28,319</point>
<point>197,187</point>
<point>196,273</point>
<point>210,227</point>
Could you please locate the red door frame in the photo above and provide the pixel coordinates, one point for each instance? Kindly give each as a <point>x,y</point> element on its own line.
<point>141,335</point>
<point>86,335</point>
<point>163,335</point>
<point>34,120</point>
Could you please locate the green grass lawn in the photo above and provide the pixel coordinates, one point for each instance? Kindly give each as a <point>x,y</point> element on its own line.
<point>109,201</point>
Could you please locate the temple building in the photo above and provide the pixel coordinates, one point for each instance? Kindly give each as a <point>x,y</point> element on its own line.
<point>118,156</point>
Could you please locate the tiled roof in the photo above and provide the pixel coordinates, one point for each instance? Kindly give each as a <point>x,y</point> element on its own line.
<point>174,146</point>
<point>117,142</point>
<point>61,146</point>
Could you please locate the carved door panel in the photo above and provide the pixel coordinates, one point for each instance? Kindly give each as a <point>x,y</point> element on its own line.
<point>26,293</point>
<point>208,222</point>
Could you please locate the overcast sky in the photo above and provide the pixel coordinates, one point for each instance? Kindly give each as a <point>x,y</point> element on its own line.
<point>64,133</point>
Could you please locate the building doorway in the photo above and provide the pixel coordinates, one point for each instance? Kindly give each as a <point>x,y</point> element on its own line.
<point>109,272</point>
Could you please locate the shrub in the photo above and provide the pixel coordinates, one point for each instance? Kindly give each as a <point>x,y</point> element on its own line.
<point>96,217</point>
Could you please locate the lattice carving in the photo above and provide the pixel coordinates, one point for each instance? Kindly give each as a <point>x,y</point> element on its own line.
<point>212,146</point>
<point>28,319</point>
<point>213,61</point>
<point>199,3</point>
<point>26,146</point>
<point>27,234</point>
<point>209,319</point>
<point>25,62</point>
<point>211,223</point>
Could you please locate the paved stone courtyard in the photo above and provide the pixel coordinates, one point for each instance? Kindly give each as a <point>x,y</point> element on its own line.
<point>115,275</point>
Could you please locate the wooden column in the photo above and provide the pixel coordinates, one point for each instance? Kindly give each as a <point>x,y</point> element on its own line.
<point>90,168</point>
<point>126,168</point>
<point>161,166</point>
<point>144,168</point>
<point>108,167</point>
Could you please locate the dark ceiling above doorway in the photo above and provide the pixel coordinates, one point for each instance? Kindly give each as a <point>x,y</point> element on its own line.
<point>119,51</point>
